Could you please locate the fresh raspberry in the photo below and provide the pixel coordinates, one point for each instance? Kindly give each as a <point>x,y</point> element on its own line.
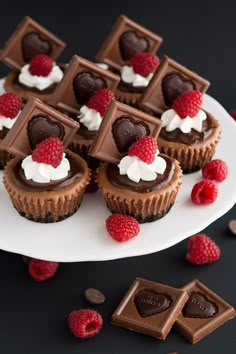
<point>202,249</point>
<point>188,104</point>
<point>92,187</point>
<point>144,63</point>
<point>10,105</point>
<point>122,228</point>
<point>41,65</point>
<point>85,323</point>
<point>216,169</point>
<point>233,114</point>
<point>144,148</point>
<point>204,192</point>
<point>49,151</point>
<point>42,270</point>
<point>101,100</point>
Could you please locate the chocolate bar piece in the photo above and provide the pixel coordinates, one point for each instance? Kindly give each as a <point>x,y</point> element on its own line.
<point>203,312</point>
<point>121,126</point>
<point>36,122</point>
<point>150,308</point>
<point>169,81</point>
<point>126,39</point>
<point>81,80</point>
<point>28,40</point>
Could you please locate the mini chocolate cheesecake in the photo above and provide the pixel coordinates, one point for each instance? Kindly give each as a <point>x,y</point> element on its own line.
<point>147,201</point>
<point>193,149</point>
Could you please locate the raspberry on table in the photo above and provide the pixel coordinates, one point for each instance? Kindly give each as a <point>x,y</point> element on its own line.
<point>101,100</point>
<point>215,170</point>
<point>41,65</point>
<point>201,250</point>
<point>145,149</point>
<point>10,105</point>
<point>144,63</point>
<point>122,228</point>
<point>49,151</point>
<point>85,323</point>
<point>188,104</point>
<point>204,192</point>
<point>42,270</point>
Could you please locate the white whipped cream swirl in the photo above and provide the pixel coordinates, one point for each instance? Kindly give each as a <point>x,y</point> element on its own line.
<point>136,169</point>
<point>40,82</point>
<point>171,121</point>
<point>130,77</point>
<point>90,118</point>
<point>44,173</point>
<point>6,122</point>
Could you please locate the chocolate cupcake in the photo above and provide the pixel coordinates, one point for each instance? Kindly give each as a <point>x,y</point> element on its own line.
<point>189,134</point>
<point>31,52</point>
<point>144,184</point>
<point>45,183</point>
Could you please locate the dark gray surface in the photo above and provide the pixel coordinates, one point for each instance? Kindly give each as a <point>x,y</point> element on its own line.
<point>33,316</point>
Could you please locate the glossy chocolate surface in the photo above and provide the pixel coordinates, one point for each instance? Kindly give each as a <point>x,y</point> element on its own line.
<point>18,176</point>
<point>84,133</point>
<point>188,138</point>
<point>122,181</point>
<point>86,85</point>
<point>169,81</point>
<point>149,308</point>
<point>33,44</point>
<point>203,313</point>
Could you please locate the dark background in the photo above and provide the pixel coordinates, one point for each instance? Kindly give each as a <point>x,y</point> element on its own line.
<point>33,316</point>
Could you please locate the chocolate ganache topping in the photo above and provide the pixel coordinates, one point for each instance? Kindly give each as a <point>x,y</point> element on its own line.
<point>125,87</point>
<point>189,138</point>
<point>75,172</point>
<point>122,181</point>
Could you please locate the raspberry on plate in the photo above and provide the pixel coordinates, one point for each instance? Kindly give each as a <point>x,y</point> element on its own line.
<point>144,63</point>
<point>188,104</point>
<point>101,100</point>
<point>204,192</point>
<point>122,228</point>
<point>42,270</point>
<point>216,170</point>
<point>41,65</point>
<point>145,149</point>
<point>10,105</point>
<point>201,250</point>
<point>85,323</point>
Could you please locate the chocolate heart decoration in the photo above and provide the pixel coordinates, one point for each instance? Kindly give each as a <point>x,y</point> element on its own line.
<point>174,85</point>
<point>126,131</point>
<point>32,44</point>
<point>85,85</point>
<point>41,127</point>
<point>149,302</point>
<point>131,44</point>
<point>199,306</point>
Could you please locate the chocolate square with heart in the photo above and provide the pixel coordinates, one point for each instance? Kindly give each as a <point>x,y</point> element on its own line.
<point>150,308</point>
<point>121,126</point>
<point>203,312</point>
<point>81,80</point>
<point>169,81</point>
<point>127,39</point>
<point>36,122</point>
<point>28,40</point>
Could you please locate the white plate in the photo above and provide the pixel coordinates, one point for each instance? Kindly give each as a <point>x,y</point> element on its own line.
<point>83,236</point>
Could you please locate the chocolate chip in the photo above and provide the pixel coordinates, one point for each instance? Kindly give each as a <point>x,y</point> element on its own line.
<point>94,296</point>
<point>232,226</point>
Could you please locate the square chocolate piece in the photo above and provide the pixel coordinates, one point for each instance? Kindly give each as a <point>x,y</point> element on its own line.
<point>127,39</point>
<point>203,312</point>
<point>81,80</point>
<point>121,126</point>
<point>28,40</point>
<point>150,308</point>
<point>36,122</point>
<point>169,81</point>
